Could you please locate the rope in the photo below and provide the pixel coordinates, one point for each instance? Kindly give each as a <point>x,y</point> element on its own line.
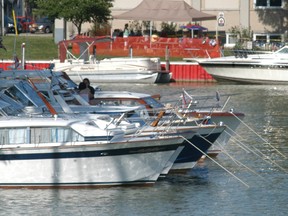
<point>237,162</point>
<point>247,149</point>
<point>244,183</point>
<point>265,141</point>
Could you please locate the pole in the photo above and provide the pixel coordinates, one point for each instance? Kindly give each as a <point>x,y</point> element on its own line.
<point>15,23</point>
<point>2,18</point>
<point>216,32</point>
<point>150,32</point>
<point>23,56</point>
<point>167,56</point>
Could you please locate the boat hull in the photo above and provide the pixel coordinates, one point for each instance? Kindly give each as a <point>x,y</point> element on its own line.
<point>113,77</point>
<point>124,70</point>
<point>196,147</point>
<point>253,73</point>
<point>230,119</point>
<point>88,165</point>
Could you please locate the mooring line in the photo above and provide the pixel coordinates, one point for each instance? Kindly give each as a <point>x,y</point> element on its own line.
<point>237,162</point>
<point>244,183</point>
<point>265,141</point>
<point>273,162</point>
<point>246,148</point>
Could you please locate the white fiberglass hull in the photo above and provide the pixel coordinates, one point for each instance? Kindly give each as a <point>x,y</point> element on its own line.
<point>112,76</point>
<point>116,70</point>
<point>87,164</point>
<point>248,72</point>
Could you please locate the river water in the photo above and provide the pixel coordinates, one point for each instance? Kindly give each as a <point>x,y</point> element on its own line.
<point>238,182</point>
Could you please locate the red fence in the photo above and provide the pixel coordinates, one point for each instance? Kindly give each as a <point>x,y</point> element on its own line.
<point>156,47</point>
<point>30,65</point>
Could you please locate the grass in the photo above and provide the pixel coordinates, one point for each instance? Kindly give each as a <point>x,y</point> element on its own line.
<point>36,47</point>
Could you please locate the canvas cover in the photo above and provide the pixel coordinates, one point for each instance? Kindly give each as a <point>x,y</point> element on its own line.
<point>165,10</point>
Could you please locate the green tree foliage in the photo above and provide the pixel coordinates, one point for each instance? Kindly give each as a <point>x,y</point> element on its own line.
<point>76,11</point>
<point>168,29</point>
<point>242,34</point>
<point>276,17</point>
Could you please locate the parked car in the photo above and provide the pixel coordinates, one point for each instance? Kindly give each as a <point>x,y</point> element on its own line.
<point>9,26</point>
<point>26,22</point>
<point>44,25</point>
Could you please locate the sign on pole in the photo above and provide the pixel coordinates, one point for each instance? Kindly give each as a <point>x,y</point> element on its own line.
<point>221,19</point>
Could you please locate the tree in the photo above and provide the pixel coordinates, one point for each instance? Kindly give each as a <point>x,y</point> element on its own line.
<point>168,29</point>
<point>242,34</point>
<point>276,17</point>
<point>76,11</point>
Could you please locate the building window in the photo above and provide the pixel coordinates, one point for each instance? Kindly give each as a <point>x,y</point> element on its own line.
<point>268,3</point>
<point>268,41</point>
<point>231,40</point>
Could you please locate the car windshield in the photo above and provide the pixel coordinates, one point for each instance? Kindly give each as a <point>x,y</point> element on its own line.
<point>43,20</point>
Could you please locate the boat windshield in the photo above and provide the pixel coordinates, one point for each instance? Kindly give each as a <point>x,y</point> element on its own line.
<point>8,106</point>
<point>283,50</point>
<point>25,94</point>
<point>153,103</point>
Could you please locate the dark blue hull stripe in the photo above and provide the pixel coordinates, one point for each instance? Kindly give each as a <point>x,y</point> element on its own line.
<point>98,138</point>
<point>76,184</point>
<point>85,154</point>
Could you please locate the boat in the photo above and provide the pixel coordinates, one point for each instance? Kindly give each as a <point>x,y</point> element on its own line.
<point>196,107</point>
<point>33,89</point>
<point>67,153</point>
<point>147,106</point>
<point>23,90</point>
<point>111,70</point>
<point>268,68</point>
<point>194,146</point>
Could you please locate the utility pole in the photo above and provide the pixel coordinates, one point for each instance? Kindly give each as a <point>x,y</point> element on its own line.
<point>2,18</point>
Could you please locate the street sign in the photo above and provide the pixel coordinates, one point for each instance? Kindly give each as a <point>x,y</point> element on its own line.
<point>221,19</point>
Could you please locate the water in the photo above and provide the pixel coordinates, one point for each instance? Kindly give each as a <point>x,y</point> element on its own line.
<point>205,190</point>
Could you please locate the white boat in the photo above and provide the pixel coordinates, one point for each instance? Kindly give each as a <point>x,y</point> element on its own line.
<point>198,139</point>
<point>186,160</point>
<point>200,108</point>
<point>112,70</point>
<point>197,110</point>
<point>59,100</point>
<point>270,68</point>
<point>55,152</point>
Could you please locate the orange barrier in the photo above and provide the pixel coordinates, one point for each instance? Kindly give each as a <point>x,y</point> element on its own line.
<point>156,47</point>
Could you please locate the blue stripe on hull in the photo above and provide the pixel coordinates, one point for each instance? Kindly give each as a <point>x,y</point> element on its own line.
<point>84,154</point>
<point>74,185</point>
